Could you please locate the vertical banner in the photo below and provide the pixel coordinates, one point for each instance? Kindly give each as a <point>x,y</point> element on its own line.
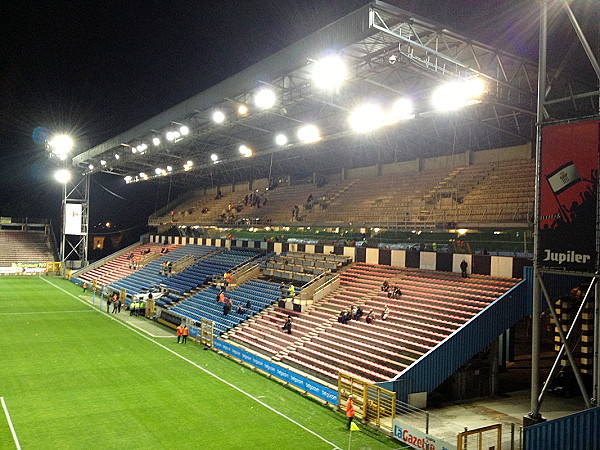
<point>73,218</point>
<point>568,196</point>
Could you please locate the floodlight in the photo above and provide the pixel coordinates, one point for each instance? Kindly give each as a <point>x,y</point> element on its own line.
<point>128,179</point>
<point>144,146</point>
<point>242,110</point>
<point>265,98</point>
<point>190,163</point>
<point>102,162</point>
<point>62,175</point>
<point>158,171</point>
<point>91,167</point>
<point>133,149</point>
<point>214,157</point>
<point>367,117</point>
<point>156,141</point>
<point>281,139</point>
<point>169,169</point>
<point>329,72</point>
<point>245,151</point>
<point>117,156</point>
<point>218,117</point>
<point>402,109</point>
<point>170,136</point>
<point>308,134</point>
<point>61,145</point>
<point>143,176</point>
<point>458,94</point>
<point>184,130</point>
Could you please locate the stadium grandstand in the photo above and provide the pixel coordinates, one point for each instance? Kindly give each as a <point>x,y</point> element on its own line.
<point>26,246</point>
<point>343,240</point>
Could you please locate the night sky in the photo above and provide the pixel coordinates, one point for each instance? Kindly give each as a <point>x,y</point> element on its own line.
<point>95,69</point>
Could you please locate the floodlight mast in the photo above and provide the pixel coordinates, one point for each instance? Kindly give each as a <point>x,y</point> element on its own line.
<point>75,206</point>
<point>74,239</point>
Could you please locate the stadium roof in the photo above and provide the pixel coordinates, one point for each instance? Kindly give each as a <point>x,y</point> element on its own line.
<point>389,54</point>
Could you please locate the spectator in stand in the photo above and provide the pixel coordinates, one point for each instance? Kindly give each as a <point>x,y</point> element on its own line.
<point>287,325</point>
<point>385,313</point>
<point>463,268</point>
<point>240,309</point>
<point>292,290</point>
<point>248,305</point>
<point>385,287</point>
<point>358,314</point>
<point>397,292</point>
<point>352,312</point>
<point>370,317</point>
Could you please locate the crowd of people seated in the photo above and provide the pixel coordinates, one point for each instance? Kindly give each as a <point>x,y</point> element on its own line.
<point>392,292</point>
<point>356,312</point>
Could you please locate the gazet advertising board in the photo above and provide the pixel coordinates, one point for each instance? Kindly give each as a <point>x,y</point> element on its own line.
<point>410,435</point>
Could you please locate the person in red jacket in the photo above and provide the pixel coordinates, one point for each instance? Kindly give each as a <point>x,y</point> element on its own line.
<point>350,409</point>
<point>179,332</point>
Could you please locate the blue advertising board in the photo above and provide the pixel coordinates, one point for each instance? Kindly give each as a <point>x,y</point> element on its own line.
<point>316,389</point>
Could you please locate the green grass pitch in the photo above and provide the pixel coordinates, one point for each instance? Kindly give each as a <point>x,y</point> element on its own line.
<point>74,377</point>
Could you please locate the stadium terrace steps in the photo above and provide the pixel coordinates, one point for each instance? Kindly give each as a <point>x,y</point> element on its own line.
<point>433,305</point>
<point>203,305</point>
<point>24,247</point>
<point>118,268</point>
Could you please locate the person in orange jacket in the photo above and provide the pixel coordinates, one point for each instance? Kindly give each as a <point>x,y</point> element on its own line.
<point>350,409</point>
<point>184,333</point>
<point>179,332</point>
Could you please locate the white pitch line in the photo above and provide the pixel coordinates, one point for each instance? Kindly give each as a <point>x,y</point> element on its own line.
<point>10,424</point>
<point>44,312</point>
<point>208,372</point>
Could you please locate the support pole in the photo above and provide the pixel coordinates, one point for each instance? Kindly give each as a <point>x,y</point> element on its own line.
<point>534,415</point>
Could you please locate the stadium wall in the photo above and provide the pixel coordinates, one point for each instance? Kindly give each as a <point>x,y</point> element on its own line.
<point>497,266</point>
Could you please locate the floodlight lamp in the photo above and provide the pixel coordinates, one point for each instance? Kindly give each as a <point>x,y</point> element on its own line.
<point>366,118</point>
<point>143,176</point>
<point>281,139</point>
<point>265,98</point>
<point>462,231</point>
<point>158,171</point>
<point>156,141</point>
<point>242,110</point>
<point>218,117</point>
<point>402,109</point>
<point>128,179</point>
<point>62,176</point>
<point>169,169</point>
<point>458,94</point>
<point>308,134</point>
<point>329,72</point>
<point>91,167</point>
<point>184,130</point>
<point>214,157</point>
<point>117,156</point>
<point>190,163</point>
<point>61,145</point>
<point>133,149</point>
<point>102,162</point>
<point>245,151</point>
